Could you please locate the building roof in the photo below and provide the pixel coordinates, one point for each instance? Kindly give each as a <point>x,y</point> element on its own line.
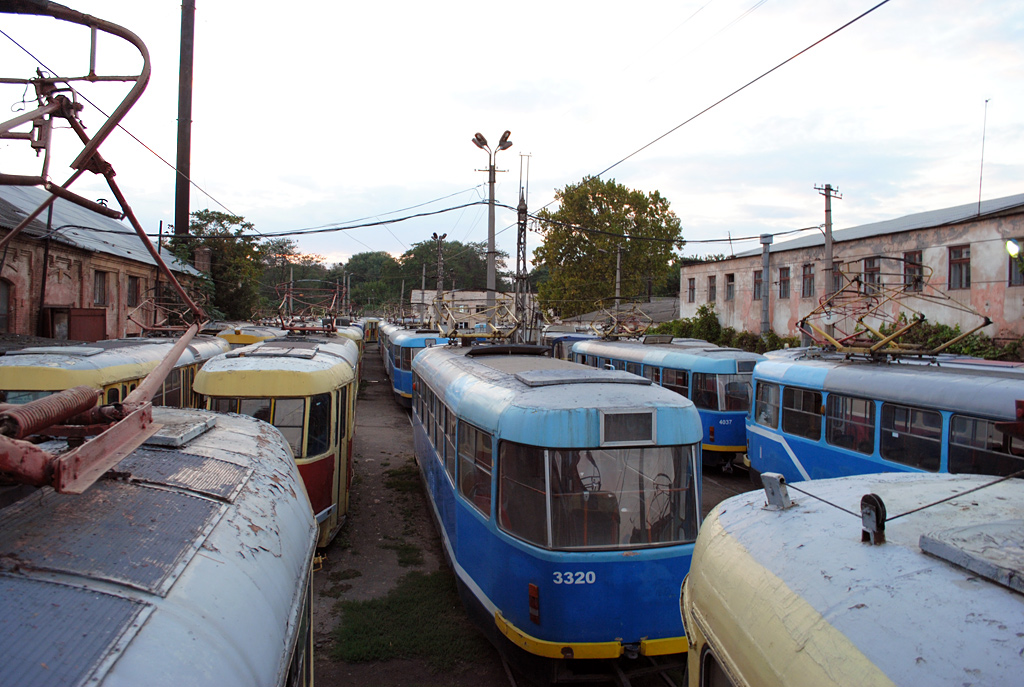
<point>78,227</point>
<point>920,220</point>
<point>659,309</point>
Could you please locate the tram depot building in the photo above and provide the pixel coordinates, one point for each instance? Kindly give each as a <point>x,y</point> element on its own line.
<point>942,259</point>
<point>75,275</point>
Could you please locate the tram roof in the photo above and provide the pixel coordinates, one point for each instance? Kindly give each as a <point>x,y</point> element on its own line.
<point>795,595</point>
<point>989,391</point>
<point>416,338</point>
<point>55,368</point>
<point>690,355</point>
<point>198,565</point>
<point>546,401</point>
<point>280,367</point>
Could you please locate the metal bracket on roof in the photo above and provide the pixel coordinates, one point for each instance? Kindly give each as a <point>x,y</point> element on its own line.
<point>776,492</point>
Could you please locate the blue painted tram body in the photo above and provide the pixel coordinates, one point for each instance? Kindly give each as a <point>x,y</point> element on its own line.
<point>817,417</point>
<point>568,500</point>
<point>716,379</point>
<point>406,344</point>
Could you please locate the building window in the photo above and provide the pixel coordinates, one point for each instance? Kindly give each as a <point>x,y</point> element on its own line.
<point>872,275</point>
<point>913,271</point>
<point>959,267</point>
<point>730,286</point>
<point>783,282</point>
<point>837,276</point>
<point>134,291</point>
<point>807,284</point>
<point>1017,268</point>
<point>758,281</point>
<point>712,289</point>
<point>691,289</point>
<point>99,288</point>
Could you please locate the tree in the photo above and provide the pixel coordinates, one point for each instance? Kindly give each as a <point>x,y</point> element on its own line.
<point>236,261</point>
<point>372,278</point>
<point>595,219</point>
<point>465,265</point>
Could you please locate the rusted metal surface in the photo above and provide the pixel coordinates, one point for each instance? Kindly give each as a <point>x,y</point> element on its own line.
<point>19,421</point>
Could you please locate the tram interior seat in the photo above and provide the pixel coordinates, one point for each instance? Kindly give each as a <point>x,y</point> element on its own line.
<point>594,519</point>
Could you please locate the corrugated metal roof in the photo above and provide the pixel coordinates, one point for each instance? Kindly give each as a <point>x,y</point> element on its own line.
<point>920,220</point>
<point>89,231</point>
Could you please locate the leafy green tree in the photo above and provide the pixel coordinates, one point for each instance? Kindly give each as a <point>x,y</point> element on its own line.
<point>465,265</point>
<point>594,221</point>
<point>236,261</point>
<point>373,278</point>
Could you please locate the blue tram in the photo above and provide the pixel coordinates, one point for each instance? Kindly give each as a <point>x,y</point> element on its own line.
<point>406,344</point>
<point>716,379</point>
<point>568,500</point>
<point>819,416</point>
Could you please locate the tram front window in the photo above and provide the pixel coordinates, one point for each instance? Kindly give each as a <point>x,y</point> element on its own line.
<point>598,498</point>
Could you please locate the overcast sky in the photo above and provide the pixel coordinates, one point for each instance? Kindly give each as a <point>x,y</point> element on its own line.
<point>322,114</point>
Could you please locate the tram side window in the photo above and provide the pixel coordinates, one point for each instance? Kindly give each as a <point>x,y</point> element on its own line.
<point>172,389</point>
<point>705,391</point>
<point>258,408</point>
<point>449,437</point>
<point>288,417</point>
<point>801,412</point>
<point>976,447</point>
<point>342,414</point>
<point>736,391</point>
<point>711,672</point>
<point>766,406</point>
<point>911,436</point>
<point>675,380</point>
<point>407,356</point>
<point>475,466</point>
<point>850,423</point>
<point>318,438</point>
<point>633,367</point>
<point>227,405</point>
<point>523,509</point>
<point>653,374</point>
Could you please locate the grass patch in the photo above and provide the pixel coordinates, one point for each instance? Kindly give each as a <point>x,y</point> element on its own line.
<point>340,575</point>
<point>408,555</point>
<point>405,479</point>
<point>396,625</point>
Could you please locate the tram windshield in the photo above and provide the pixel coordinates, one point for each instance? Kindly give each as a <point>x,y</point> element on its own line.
<point>730,392</point>
<point>621,498</point>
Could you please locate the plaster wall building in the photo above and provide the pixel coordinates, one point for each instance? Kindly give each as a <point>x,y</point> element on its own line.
<point>77,274</point>
<point>956,254</point>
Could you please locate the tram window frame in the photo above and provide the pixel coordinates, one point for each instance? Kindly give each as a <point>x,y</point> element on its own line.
<point>451,437</point>
<point>911,436</point>
<point>767,404</point>
<point>653,373</point>
<point>522,492</point>
<point>632,367</point>
<point>850,423</point>
<point>342,432</point>
<point>476,464</point>
<point>799,406</point>
<point>676,380</point>
<point>712,674</point>
<point>172,389</point>
<point>318,436</point>
<point>978,447</point>
<point>223,404</point>
<point>286,425</point>
<point>705,391</point>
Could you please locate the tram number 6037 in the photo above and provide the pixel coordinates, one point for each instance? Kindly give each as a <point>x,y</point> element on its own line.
<point>588,577</point>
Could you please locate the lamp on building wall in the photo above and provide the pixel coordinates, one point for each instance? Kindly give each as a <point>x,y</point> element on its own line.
<point>1013,248</point>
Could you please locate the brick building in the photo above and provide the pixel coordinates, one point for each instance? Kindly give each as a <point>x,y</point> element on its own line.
<point>77,274</point>
<point>956,253</point>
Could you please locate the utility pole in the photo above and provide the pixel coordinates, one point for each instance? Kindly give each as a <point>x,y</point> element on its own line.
<point>829,194</point>
<point>522,277</point>
<point>766,285</point>
<point>618,277</point>
<point>440,277</point>
<point>503,144</point>
<point>183,163</point>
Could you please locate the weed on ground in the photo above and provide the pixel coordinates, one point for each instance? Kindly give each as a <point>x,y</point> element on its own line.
<point>421,618</point>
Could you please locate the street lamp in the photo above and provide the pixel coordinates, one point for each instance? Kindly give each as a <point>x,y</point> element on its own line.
<point>1013,248</point>
<point>503,144</point>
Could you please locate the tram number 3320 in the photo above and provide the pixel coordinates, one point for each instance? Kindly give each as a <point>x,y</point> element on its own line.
<point>588,577</point>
